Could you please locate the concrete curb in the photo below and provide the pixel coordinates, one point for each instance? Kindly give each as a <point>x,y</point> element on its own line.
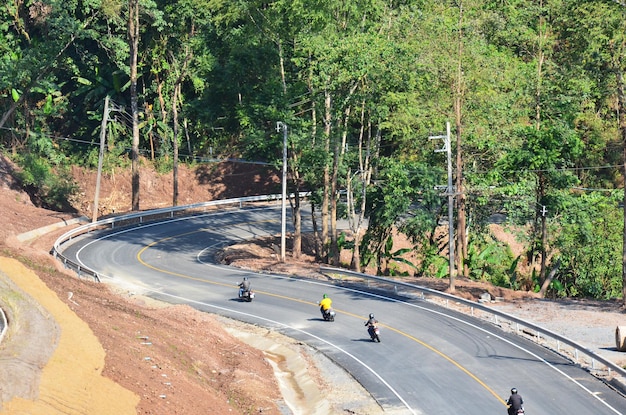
<point>35,233</point>
<point>619,383</point>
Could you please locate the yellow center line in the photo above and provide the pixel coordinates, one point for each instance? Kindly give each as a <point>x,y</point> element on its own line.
<point>347,313</point>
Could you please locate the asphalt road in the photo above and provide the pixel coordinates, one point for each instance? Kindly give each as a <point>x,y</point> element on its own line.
<point>430,360</point>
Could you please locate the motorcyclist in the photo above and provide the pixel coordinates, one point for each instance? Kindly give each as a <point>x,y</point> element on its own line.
<point>325,304</point>
<point>244,286</point>
<point>371,324</point>
<point>514,402</point>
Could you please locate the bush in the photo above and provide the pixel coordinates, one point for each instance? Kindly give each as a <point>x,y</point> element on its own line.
<point>47,188</point>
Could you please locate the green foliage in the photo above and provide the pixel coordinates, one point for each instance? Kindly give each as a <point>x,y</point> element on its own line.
<point>588,242</point>
<point>164,165</point>
<point>50,188</point>
<point>404,199</point>
<point>538,85</point>
<point>390,256</point>
<point>491,261</point>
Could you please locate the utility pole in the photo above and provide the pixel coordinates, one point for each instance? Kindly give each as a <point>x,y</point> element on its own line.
<point>103,129</point>
<point>450,193</point>
<point>282,126</point>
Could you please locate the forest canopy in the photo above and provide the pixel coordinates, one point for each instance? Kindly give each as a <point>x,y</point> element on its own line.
<point>392,112</point>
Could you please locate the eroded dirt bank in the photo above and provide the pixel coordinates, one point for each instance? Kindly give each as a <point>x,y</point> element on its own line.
<point>51,338</point>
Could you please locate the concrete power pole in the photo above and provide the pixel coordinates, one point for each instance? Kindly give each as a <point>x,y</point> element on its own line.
<point>282,126</point>
<point>450,193</point>
<point>103,129</point>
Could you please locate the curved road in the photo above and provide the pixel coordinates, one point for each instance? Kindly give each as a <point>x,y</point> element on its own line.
<point>430,361</point>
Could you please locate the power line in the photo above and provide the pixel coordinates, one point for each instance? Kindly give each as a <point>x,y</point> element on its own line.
<point>147,151</point>
<point>562,169</point>
<point>200,158</point>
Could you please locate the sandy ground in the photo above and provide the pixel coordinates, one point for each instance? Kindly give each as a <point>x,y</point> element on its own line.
<point>70,380</point>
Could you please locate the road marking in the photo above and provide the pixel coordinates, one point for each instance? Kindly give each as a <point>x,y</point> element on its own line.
<point>431,348</point>
<point>452,361</point>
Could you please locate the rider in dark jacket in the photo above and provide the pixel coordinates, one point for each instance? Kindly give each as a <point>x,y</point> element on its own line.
<point>515,402</point>
<point>244,286</point>
<point>371,323</point>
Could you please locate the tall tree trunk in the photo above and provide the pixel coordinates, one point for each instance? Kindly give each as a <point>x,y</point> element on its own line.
<point>316,239</point>
<point>326,174</point>
<point>540,230</point>
<point>175,144</point>
<point>177,91</point>
<point>186,125</point>
<point>334,247</point>
<point>151,121</point>
<point>548,280</point>
<point>162,106</point>
<point>316,246</point>
<point>296,249</point>
<point>356,220</point>
<point>133,41</point>
<point>621,94</point>
<point>338,153</point>
<point>461,238</point>
<point>540,61</point>
<point>542,35</point>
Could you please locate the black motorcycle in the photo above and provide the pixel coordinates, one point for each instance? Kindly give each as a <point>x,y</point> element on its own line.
<point>374,333</point>
<point>328,315</point>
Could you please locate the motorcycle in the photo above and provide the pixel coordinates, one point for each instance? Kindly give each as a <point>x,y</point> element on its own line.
<point>374,333</point>
<point>328,315</point>
<point>518,412</point>
<point>246,296</point>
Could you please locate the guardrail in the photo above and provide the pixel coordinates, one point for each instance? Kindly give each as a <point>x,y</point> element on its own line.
<point>139,218</point>
<point>494,317</point>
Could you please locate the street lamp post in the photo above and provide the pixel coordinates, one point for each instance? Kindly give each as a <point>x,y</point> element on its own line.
<point>282,126</point>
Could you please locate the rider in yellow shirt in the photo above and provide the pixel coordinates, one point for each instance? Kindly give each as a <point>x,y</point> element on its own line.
<point>325,304</point>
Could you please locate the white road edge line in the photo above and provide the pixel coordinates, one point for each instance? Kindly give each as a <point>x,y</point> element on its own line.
<point>342,288</point>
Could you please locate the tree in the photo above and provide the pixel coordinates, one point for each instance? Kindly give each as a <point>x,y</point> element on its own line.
<point>600,46</point>
<point>546,155</point>
<point>403,199</point>
<point>133,42</point>
<point>587,242</point>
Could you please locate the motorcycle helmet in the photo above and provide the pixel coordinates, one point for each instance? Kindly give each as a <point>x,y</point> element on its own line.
<point>371,315</point>
<point>514,391</point>
<point>324,296</point>
<point>245,278</point>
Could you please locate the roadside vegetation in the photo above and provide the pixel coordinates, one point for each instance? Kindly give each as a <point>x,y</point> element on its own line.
<point>361,93</point>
